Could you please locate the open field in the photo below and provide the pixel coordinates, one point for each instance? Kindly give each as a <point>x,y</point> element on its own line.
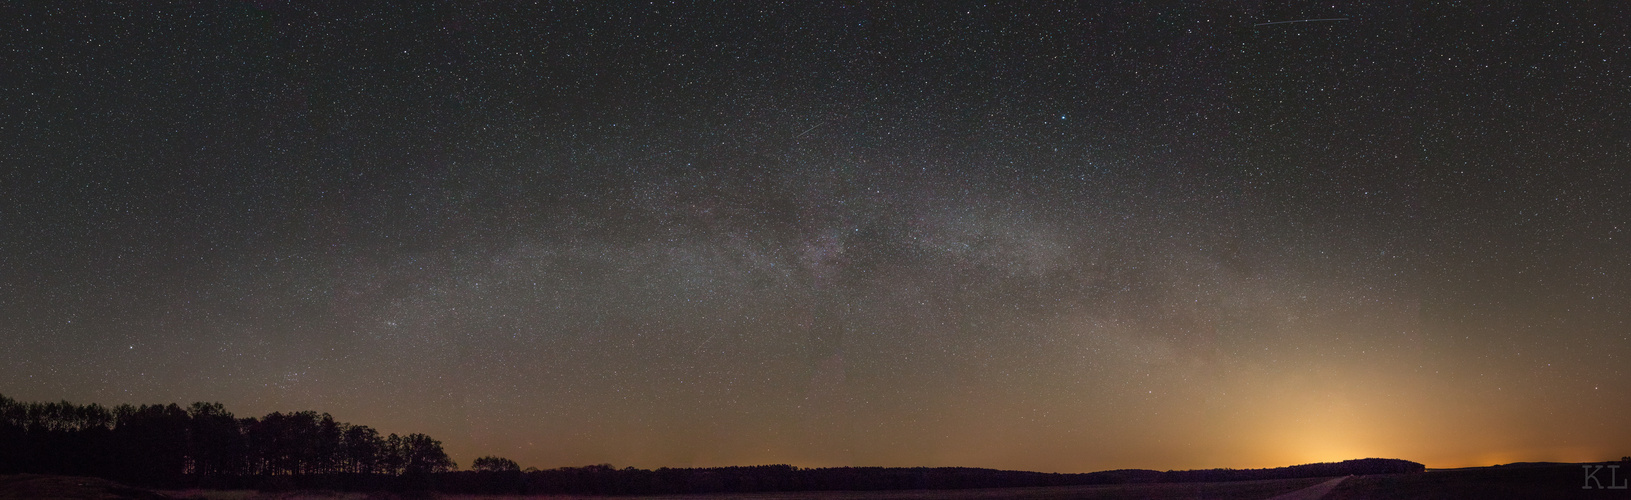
<point>1255,490</point>
<point>34,486</point>
<point>31,486</point>
<point>1516,481</point>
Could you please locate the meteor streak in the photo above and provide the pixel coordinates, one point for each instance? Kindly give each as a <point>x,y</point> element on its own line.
<point>1303,21</point>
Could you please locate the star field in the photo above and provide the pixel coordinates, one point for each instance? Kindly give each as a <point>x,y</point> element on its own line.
<point>1056,237</point>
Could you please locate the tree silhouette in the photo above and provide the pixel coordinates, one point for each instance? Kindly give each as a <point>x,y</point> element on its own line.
<point>495,464</point>
<point>362,449</point>
<point>216,445</point>
<point>169,446</point>
<point>152,442</point>
<point>392,456</point>
<point>423,455</point>
<point>326,456</point>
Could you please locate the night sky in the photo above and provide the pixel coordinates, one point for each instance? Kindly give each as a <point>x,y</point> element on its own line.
<point>1063,237</point>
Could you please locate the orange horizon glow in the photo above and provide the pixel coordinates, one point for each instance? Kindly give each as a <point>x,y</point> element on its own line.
<point>1241,417</point>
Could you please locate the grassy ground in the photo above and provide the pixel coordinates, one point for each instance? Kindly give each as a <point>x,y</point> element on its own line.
<point>1524,481</point>
<point>1244,490</point>
<point>37,487</point>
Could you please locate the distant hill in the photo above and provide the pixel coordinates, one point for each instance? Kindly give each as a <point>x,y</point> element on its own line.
<point>605,479</point>
<point>1360,467</point>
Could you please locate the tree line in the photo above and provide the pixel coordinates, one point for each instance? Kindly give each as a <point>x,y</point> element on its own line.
<point>202,444</point>
<point>205,446</point>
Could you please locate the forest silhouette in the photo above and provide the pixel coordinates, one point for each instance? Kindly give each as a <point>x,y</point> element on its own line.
<point>205,446</point>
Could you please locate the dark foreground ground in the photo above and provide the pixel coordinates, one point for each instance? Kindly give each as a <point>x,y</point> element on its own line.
<point>1243,490</point>
<point>1516,481</point>
<point>34,486</point>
